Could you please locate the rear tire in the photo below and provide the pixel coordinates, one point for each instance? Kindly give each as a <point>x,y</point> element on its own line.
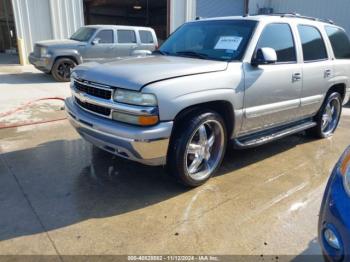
<point>328,117</point>
<point>197,148</point>
<point>62,68</point>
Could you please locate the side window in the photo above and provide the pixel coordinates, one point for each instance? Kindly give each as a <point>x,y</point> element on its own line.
<point>340,42</point>
<point>313,45</point>
<point>126,36</point>
<point>146,37</point>
<point>280,38</point>
<point>105,36</point>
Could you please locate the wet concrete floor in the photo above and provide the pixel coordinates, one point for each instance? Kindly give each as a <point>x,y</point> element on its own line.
<point>59,195</point>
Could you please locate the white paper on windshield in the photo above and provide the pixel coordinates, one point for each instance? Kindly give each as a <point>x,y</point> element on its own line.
<point>229,42</point>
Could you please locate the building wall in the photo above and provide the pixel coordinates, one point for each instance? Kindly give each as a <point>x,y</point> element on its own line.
<point>182,11</point>
<point>46,19</point>
<point>336,10</point>
<point>210,8</point>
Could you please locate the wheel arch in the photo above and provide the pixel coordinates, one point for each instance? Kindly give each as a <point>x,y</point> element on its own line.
<point>338,87</point>
<point>222,107</point>
<point>67,53</point>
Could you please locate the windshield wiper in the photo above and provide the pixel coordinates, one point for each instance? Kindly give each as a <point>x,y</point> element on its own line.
<point>193,54</point>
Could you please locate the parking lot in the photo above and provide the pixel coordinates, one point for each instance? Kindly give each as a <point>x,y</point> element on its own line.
<point>61,196</point>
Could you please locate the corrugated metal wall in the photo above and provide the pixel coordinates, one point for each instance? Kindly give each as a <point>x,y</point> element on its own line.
<point>254,5</point>
<point>336,10</point>
<point>210,8</point>
<point>46,19</point>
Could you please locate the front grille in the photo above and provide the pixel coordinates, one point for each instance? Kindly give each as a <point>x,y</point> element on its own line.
<point>93,91</point>
<point>94,108</point>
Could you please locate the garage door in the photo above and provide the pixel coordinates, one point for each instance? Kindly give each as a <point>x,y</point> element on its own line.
<point>210,8</point>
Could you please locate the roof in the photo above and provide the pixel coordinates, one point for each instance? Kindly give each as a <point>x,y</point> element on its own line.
<point>118,26</point>
<point>287,17</point>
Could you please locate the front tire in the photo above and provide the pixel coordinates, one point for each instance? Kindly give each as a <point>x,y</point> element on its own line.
<point>62,68</point>
<point>328,117</point>
<point>197,148</point>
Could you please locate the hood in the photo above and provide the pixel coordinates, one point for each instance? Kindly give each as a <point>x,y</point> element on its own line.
<point>134,73</point>
<point>60,43</point>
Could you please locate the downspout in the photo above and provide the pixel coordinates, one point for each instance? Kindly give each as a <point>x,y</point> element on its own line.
<point>246,7</point>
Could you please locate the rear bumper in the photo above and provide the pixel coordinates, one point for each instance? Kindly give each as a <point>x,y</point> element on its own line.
<point>41,63</point>
<point>147,145</point>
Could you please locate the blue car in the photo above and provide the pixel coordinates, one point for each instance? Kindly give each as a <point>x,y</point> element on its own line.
<point>334,221</point>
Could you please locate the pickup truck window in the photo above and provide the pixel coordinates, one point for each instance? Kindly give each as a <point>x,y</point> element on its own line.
<point>340,42</point>
<point>83,34</point>
<point>105,36</point>
<point>279,37</point>
<point>215,40</point>
<point>126,36</point>
<point>313,45</point>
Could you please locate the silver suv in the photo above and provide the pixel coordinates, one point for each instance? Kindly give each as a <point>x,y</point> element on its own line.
<point>248,80</point>
<point>91,43</point>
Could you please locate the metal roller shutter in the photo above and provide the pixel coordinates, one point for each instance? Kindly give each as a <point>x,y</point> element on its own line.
<point>214,8</point>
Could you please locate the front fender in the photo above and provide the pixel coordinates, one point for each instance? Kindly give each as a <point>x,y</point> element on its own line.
<point>175,95</point>
<point>73,53</point>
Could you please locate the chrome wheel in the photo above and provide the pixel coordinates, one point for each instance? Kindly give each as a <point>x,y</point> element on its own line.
<point>330,116</point>
<point>204,150</point>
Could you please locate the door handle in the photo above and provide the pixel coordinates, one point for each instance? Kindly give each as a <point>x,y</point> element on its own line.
<point>296,77</point>
<point>327,73</point>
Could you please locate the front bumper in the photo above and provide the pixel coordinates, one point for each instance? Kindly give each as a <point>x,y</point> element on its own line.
<point>335,215</point>
<point>147,145</point>
<point>41,63</point>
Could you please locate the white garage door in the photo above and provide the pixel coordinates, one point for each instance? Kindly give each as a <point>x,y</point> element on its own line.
<point>214,8</point>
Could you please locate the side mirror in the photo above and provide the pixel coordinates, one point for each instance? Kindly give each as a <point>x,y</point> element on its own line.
<point>141,53</point>
<point>264,56</point>
<point>96,41</point>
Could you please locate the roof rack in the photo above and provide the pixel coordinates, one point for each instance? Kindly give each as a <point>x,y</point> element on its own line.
<point>296,15</point>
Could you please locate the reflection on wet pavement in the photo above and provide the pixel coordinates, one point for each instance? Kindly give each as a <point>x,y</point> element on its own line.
<point>62,194</point>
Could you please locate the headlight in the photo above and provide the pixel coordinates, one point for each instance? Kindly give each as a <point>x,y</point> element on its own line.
<point>44,52</point>
<point>135,98</point>
<point>345,171</point>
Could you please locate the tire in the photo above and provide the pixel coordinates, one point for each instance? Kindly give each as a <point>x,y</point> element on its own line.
<point>328,117</point>
<point>194,165</point>
<point>61,69</point>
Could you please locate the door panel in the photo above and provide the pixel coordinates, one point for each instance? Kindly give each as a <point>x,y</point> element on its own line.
<point>315,85</point>
<point>127,42</point>
<point>272,92</point>
<point>317,69</point>
<point>105,49</point>
<point>272,97</point>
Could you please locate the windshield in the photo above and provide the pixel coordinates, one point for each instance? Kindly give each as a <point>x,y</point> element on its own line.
<point>83,34</point>
<point>217,40</point>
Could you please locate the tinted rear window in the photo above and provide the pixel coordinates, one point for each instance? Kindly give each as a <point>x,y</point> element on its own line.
<point>313,45</point>
<point>146,37</point>
<point>126,36</point>
<point>280,38</point>
<point>340,42</point>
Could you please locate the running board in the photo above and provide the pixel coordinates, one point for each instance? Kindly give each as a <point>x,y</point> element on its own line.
<point>268,136</point>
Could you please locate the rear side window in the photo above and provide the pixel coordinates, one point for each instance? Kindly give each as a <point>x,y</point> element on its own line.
<point>313,45</point>
<point>146,37</point>
<point>280,38</point>
<point>126,36</point>
<point>105,36</point>
<point>340,42</point>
